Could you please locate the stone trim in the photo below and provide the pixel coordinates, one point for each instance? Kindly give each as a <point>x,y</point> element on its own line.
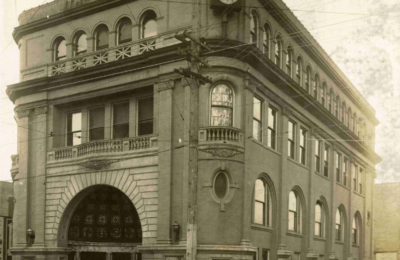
<point>165,85</point>
<point>23,113</point>
<point>41,110</point>
<point>140,187</point>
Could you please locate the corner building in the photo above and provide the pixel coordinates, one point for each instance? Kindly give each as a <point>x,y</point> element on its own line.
<point>285,141</point>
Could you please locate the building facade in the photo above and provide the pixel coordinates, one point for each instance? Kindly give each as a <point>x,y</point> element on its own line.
<point>285,142</point>
<point>6,213</point>
<point>386,221</point>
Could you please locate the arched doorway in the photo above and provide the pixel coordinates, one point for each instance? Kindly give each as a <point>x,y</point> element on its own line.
<point>104,225</point>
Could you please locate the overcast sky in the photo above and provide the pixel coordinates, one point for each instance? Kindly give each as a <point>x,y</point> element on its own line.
<point>361,36</point>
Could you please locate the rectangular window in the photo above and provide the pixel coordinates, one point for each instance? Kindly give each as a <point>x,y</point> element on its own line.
<point>145,116</point>
<point>337,231</point>
<point>74,129</point>
<point>344,169</point>
<point>317,155</point>
<point>291,136</point>
<point>323,96</point>
<point>337,164</point>
<point>360,173</point>
<point>302,151</point>
<point>121,120</point>
<point>265,254</point>
<point>326,160</point>
<point>96,123</point>
<point>257,124</point>
<point>272,128</point>
<point>354,168</point>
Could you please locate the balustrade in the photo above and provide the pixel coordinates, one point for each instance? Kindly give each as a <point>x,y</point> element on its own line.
<point>221,134</point>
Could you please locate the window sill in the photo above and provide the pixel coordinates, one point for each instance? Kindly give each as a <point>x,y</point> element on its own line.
<point>340,184</point>
<point>261,228</point>
<point>339,242</point>
<point>299,164</point>
<point>294,234</point>
<point>322,239</point>
<point>265,146</point>
<point>322,176</point>
<point>359,194</point>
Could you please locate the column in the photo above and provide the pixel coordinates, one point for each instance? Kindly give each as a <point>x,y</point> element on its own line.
<point>40,160</point>
<point>283,194</point>
<point>331,234</point>
<point>349,243</point>
<point>311,255</point>
<point>163,95</point>
<point>21,182</point>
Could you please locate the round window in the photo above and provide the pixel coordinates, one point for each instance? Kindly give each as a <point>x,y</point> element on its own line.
<point>221,185</point>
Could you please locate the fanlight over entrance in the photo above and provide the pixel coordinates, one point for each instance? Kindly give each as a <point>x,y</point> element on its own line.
<point>106,221</point>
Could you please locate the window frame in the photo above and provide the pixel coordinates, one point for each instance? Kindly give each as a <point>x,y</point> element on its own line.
<point>338,163</point>
<point>92,128</point>
<point>271,132</point>
<point>259,135</point>
<point>73,132</point>
<point>121,22</point>
<point>113,118</point>
<point>326,160</point>
<point>222,106</point>
<point>291,139</point>
<point>308,79</point>
<point>278,51</point>
<point>299,70</point>
<point>96,37</point>
<point>302,146</point>
<point>321,223</point>
<point>355,231</point>
<point>297,214</point>
<point>138,121</point>
<point>266,204</point>
<point>323,94</point>
<point>56,47</point>
<point>254,31</point>
<point>338,226</point>
<point>345,168</point>
<point>316,86</point>
<point>289,61</point>
<point>317,155</point>
<point>266,40</point>
<point>146,17</point>
<point>76,43</point>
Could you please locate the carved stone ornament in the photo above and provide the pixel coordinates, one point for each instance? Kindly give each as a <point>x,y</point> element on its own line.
<point>41,110</point>
<point>287,111</point>
<point>23,113</point>
<point>222,152</point>
<point>165,85</point>
<point>185,82</point>
<point>97,164</point>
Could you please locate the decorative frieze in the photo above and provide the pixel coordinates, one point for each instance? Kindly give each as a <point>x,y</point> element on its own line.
<point>165,85</point>
<point>97,164</point>
<point>222,152</point>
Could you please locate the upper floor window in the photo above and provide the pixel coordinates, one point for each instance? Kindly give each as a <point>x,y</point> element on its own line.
<point>149,25</point>
<point>337,166</point>
<point>345,171</point>
<point>316,86</point>
<point>74,128</point>
<point>266,39</point>
<point>291,136</point>
<point>294,218</point>
<point>330,96</point>
<point>326,161</point>
<point>318,155</point>
<point>145,115</point>
<point>221,105</point>
<point>354,123</point>
<point>60,49</point>
<point>308,79</point>
<point>299,70</point>
<point>338,225</point>
<point>289,62</point>
<point>262,204</point>
<point>272,117</point>
<point>254,28</point>
<point>96,123</point>
<point>302,151</point>
<point>278,51</point>
<point>360,174</point>
<point>121,120</point>
<point>101,37</point>
<point>343,112</point>
<point>257,122</point>
<point>319,220</point>
<point>349,118</point>
<point>337,103</point>
<point>80,43</point>
<point>323,94</point>
<point>124,31</point>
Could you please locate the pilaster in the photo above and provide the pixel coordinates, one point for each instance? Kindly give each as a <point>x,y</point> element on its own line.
<point>163,92</point>
<point>331,234</point>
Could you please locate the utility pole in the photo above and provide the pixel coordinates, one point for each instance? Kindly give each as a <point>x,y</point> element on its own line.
<point>193,75</point>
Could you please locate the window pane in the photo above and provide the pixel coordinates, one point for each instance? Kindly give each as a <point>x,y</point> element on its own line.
<point>74,138</point>
<point>102,37</point>
<point>292,221</point>
<point>81,44</point>
<point>150,28</point>
<point>125,31</point>
<point>121,131</point>
<point>62,50</point>
<point>145,128</point>
<point>121,113</point>
<point>271,118</point>
<point>318,213</point>
<point>271,138</point>
<point>260,191</point>
<point>292,202</point>
<point>317,230</point>
<point>75,122</point>
<point>290,130</point>
<point>96,117</point>
<point>257,108</point>
<point>221,116</point>
<point>222,96</point>
<point>96,134</point>
<point>221,185</point>
<point>257,130</point>
<point>146,108</point>
<point>338,217</point>
<point>259,213</point>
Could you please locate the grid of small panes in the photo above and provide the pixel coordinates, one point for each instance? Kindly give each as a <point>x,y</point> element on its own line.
<point>105,215</point>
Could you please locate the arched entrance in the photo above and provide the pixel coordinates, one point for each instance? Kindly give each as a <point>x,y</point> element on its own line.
<point>104,225</point>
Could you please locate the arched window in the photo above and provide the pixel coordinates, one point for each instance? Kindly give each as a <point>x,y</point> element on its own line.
<point>294,218</point>
<point>262,204</point>
<point>221,105</point>
<point>319,220</point>
<point>316,86</point>
<point>149,25</point>
<point>355,230</point>
<point>308,79</point>
<point>80,43</point>
<point>323,94</point>
<point>289,57</point>
<point>60,49</point>
<point>124,31</point>
<point>337,104</point>
<point>299,71</point>
<point>254,28</point>
<point>278,51</point>
<point>344,112</point>
<point>101,37</point>
<point>338,226</point>
<point>349,119</point>
<point>330,96</point>
<point>266,39</point>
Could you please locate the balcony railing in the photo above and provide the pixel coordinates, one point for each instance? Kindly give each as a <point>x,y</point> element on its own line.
<point>221,134</point>
<point>97,58</point>
<point>103,147</point>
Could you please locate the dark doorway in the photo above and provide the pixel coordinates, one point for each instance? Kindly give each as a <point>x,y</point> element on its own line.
<point>93,256</point>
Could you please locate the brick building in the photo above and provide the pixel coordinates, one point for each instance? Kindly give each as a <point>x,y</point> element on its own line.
<point>286,160</point>
<point>6,213</point>
<point>386,221</point>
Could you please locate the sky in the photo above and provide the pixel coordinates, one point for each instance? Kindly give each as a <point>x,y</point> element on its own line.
<point>361,36</point>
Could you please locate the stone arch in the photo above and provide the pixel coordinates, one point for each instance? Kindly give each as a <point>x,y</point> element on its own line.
<point>93,31</point>
<point>141,189</point>
<point>122,17</point>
